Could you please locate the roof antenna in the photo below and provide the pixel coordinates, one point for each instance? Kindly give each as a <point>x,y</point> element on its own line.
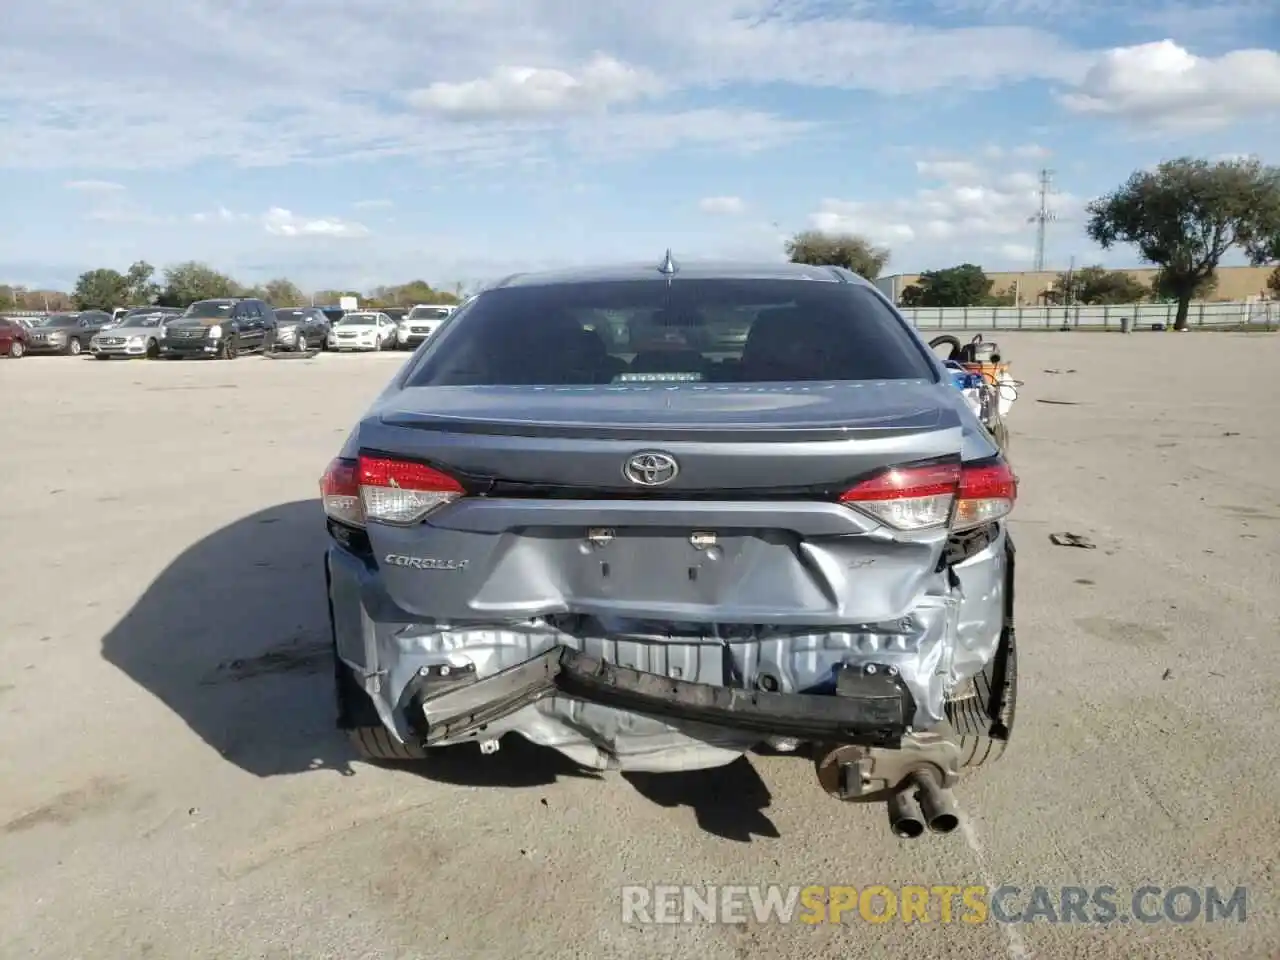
<point>668,266</point>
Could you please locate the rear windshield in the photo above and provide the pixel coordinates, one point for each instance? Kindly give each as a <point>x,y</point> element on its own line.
<point>717,331</point>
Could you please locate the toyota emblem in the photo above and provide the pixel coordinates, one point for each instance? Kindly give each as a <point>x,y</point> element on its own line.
<point>651,469</point>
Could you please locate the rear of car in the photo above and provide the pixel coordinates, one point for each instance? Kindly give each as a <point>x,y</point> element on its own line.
<point>654,519</point>
<point>420,323</point>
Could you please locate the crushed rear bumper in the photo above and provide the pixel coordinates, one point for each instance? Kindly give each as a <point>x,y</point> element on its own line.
<point>873,708</point>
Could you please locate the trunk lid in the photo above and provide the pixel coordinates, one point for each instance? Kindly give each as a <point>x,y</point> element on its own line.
<point>747,531</point>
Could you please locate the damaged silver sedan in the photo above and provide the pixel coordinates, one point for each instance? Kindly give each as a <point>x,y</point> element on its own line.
<point>656,517</point>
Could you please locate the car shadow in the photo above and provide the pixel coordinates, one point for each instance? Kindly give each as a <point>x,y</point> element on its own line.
<point>233,637</point>
<point>727,801</point>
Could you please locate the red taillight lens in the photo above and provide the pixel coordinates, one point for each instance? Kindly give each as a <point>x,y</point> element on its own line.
<point>935,495</point>
<point>340,493</point>
<point>908,498</point>
<point>987,492</point>
<point>386,490</point>
<point>400,492</point>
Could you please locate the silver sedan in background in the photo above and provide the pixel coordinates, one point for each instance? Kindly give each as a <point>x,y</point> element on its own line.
<point>137,335</point>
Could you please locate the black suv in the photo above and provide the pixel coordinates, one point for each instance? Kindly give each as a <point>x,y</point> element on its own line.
<point>222,329</point>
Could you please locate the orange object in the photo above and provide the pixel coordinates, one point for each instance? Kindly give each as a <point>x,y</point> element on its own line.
<point>990,371</point>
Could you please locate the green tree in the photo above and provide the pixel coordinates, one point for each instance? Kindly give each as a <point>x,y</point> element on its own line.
<point>965,285</point>
<point>838,250</point>
<point>1096,285</point>
<point>1166,290</point>
<point>1186,214</point>
<point>185,283</point>
<point>142,289</point>
<point>281,292</point>
<point>1273,282</point>
<point>100,289</point>
<point>911,295</point>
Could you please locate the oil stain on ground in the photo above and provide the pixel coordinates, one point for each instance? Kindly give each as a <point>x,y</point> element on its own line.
<point>1122,631</point>
<point>296,657</point>
<point>97,796</point>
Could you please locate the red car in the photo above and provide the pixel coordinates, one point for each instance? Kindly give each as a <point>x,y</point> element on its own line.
<point>13,338</point>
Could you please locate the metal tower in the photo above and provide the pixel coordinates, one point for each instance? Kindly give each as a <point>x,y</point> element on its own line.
<point>1043,217</point>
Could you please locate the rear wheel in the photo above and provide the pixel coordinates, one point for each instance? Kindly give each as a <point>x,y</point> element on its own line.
<point>17,349</point>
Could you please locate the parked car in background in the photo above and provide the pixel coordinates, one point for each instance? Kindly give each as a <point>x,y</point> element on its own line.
<point>67,333</point>
<point>333,313</point>
<point>137,334</point>
<point>395,313</point>
<point>300,328</point>
<point>363,330</point>
<point>222,329</point>
<point>13,338</point>
<point>420,323</point>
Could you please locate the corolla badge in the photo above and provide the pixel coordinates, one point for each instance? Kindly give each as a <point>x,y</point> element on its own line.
<point>423,563</point>
<point>651,469</point>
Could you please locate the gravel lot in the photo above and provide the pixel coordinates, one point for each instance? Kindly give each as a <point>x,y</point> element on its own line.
<point>171,786</point>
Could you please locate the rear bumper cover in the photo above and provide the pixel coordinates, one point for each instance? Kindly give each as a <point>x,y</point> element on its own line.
<point>872,708</point>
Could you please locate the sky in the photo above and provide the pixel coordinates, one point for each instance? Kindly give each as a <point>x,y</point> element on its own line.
<point>351,143</point>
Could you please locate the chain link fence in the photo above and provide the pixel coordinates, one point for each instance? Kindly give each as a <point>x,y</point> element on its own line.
<point>1248,315</point>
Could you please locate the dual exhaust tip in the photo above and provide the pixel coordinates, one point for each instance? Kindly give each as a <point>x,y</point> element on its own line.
<point>922,802</point>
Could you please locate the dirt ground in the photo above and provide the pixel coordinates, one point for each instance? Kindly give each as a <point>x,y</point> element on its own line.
<point>171,785</point>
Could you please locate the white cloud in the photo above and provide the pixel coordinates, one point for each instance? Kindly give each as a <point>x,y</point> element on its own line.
<point>94,186</point>
<point>951,171</point>
<point>524,91</point>
<point>1016,252</point>
<point>285,223</point>
<point>258,87</point>
<point>728,206</point>
<point>1164,85</point>
<point>969,209</point>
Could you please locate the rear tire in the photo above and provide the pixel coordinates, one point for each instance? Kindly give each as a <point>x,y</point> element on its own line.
<point>17,349</point>
<point>375,743</point>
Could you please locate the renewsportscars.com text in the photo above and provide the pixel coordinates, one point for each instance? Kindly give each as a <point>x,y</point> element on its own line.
<point>937,903</point>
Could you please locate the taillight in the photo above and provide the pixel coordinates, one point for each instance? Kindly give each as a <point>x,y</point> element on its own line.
<point>988,492</point>
<point>384,490</point>
<point>340,493</point>
<point>908,498</point>
<point>937,495</point>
